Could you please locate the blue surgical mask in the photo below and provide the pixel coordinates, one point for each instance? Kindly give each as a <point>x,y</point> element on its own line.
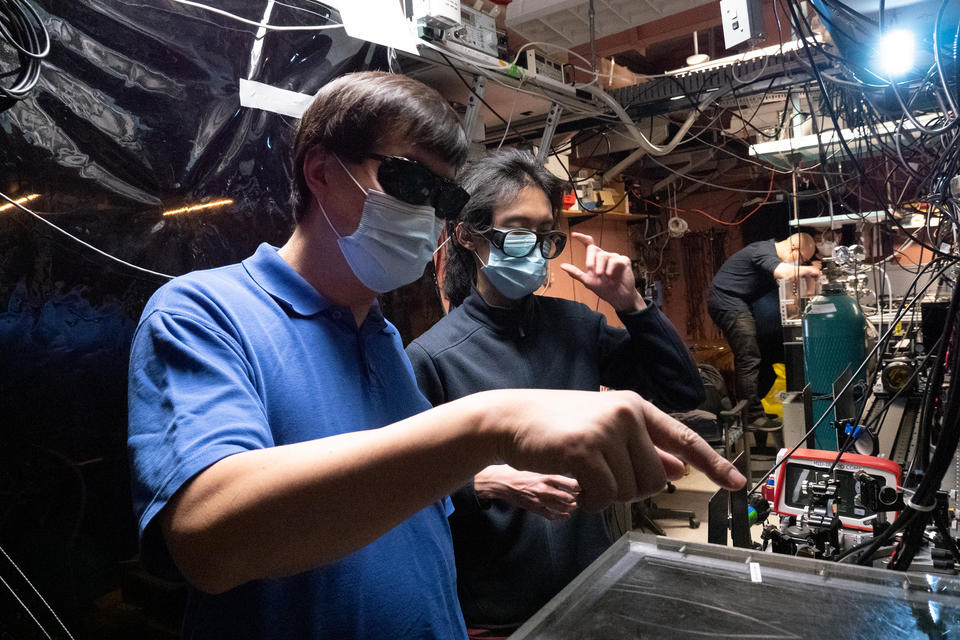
<point>393,242</point>
<point>515,277</point>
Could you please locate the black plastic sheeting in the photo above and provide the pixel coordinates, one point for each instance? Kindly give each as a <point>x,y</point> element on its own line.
<point>136,112</point>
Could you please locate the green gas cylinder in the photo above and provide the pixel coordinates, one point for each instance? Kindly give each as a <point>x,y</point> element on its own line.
<point>834,337</point>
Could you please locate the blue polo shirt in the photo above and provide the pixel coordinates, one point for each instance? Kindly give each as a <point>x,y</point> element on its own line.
<point>250,356</point>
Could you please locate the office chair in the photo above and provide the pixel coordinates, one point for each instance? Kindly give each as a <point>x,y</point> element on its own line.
<point>717,420</point>
<point>720,423</point>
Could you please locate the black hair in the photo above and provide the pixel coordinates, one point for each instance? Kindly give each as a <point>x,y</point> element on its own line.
<point>351,115</point>
<point>498,177</point>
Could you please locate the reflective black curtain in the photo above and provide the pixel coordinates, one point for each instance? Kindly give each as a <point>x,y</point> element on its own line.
<point>136,113</point>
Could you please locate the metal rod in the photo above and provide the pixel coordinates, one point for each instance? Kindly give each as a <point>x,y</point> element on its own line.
<point>473,105</point>
<point>553,119</point>
<point>593,52</point>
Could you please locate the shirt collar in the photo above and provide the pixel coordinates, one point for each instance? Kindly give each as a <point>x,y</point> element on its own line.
<point>285,285</point>
<point>292,292</point>
<point>505,319</point>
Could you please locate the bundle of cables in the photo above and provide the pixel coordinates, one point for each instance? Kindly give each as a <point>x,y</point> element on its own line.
<point>22,29</point>
<point>941,407</point>
<point>920,157</point>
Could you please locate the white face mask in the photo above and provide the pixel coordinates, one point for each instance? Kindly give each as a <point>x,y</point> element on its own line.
<point>393,243</point>
<point>825,248</point>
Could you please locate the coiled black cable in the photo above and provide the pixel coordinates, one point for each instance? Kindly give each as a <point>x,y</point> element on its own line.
<point>23,29</point>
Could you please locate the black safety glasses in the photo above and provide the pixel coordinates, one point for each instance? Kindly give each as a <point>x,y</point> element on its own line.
<point>415,184</point>
<point>519,243</point>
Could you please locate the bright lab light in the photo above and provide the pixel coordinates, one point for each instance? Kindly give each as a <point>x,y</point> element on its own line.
<point>32,196</point>
<point>896,52</point>
<point>197,207</point>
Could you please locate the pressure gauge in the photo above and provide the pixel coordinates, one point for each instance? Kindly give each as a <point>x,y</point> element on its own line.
<point>853,254</point>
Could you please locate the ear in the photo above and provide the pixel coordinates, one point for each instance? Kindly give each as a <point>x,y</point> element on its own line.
<point>315,169</point>
<point>465,238</point>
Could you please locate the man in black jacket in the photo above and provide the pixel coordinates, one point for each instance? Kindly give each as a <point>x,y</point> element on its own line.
<point>745,278</point>
<point>519,537</point>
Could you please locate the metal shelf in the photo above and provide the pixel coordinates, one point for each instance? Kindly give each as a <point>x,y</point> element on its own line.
<point>613,215</point>
<point>913,221</point>
<point>839,220</point>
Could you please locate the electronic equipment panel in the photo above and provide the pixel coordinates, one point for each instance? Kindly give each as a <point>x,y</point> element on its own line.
<point>793,484</point>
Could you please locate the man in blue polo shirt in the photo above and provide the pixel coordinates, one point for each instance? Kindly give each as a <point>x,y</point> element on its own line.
<point>283,460</point>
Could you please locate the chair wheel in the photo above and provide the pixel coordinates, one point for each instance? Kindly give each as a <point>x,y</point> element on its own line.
<point>671,487</point>
<point>694,523</point>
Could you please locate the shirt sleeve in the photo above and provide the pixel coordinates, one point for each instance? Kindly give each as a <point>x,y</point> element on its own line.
<point>425,371</point>
<point>650,358</point>
<point>430,386</point>
<point>192,402</point>
<point>767,261</point>
<point>428,379</point>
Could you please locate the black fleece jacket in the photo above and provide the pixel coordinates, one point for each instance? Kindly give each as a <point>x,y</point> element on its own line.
<point>510,562</point>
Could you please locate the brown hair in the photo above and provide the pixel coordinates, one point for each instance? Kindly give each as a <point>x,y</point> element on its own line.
<point>354,113</point>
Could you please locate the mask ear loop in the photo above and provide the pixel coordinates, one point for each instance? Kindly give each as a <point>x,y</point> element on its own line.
<point>324,212</point>
<point>347,171</point>
<point>433,258</point>
<point>482,263</point>
<point>442,244</point>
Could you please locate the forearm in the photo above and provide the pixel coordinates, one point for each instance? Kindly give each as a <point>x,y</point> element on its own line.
<point>328,497</point>
<point>787,271</point>
<point>284,510</point>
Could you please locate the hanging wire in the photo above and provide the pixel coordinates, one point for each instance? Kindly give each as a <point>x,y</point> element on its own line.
<point>22,29</point>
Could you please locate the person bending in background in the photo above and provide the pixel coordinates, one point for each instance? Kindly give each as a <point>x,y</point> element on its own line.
<point>520,537</point>
<point>746,277</point>
<point>766,315</point>
<point>283,460</point>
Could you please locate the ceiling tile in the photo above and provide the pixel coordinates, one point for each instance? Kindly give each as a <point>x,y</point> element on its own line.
<point>566,22</point>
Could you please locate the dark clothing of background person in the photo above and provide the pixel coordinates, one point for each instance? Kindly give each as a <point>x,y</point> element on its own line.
<point>510,561</point>
<point>766,313</point>
<point>744,278</point>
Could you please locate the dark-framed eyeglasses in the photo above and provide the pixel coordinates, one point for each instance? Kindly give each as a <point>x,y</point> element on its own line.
<point>414,183</point>
<point>519,243</point>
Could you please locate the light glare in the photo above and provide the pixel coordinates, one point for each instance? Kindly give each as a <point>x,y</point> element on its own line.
<point>32,196</point>
<point>198,207</point>
<point>896,52</point>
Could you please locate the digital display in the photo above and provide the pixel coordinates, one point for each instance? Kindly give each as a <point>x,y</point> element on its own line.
<point>847,488</point>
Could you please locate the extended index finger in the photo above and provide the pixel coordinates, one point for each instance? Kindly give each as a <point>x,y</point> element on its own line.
<point>674,437</point>
<point>582,238</point>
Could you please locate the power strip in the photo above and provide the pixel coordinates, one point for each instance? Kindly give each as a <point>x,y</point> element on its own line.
<point>510,70</point>
<point>540,65</point>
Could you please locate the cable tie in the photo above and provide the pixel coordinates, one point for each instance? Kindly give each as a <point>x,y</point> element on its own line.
<point>917,507</point>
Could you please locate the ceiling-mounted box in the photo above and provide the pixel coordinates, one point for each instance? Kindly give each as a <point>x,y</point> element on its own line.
<point>742,21</point>
<point>437,14</point>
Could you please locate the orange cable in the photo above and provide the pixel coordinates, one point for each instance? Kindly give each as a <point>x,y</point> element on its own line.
<point>704,213</point>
